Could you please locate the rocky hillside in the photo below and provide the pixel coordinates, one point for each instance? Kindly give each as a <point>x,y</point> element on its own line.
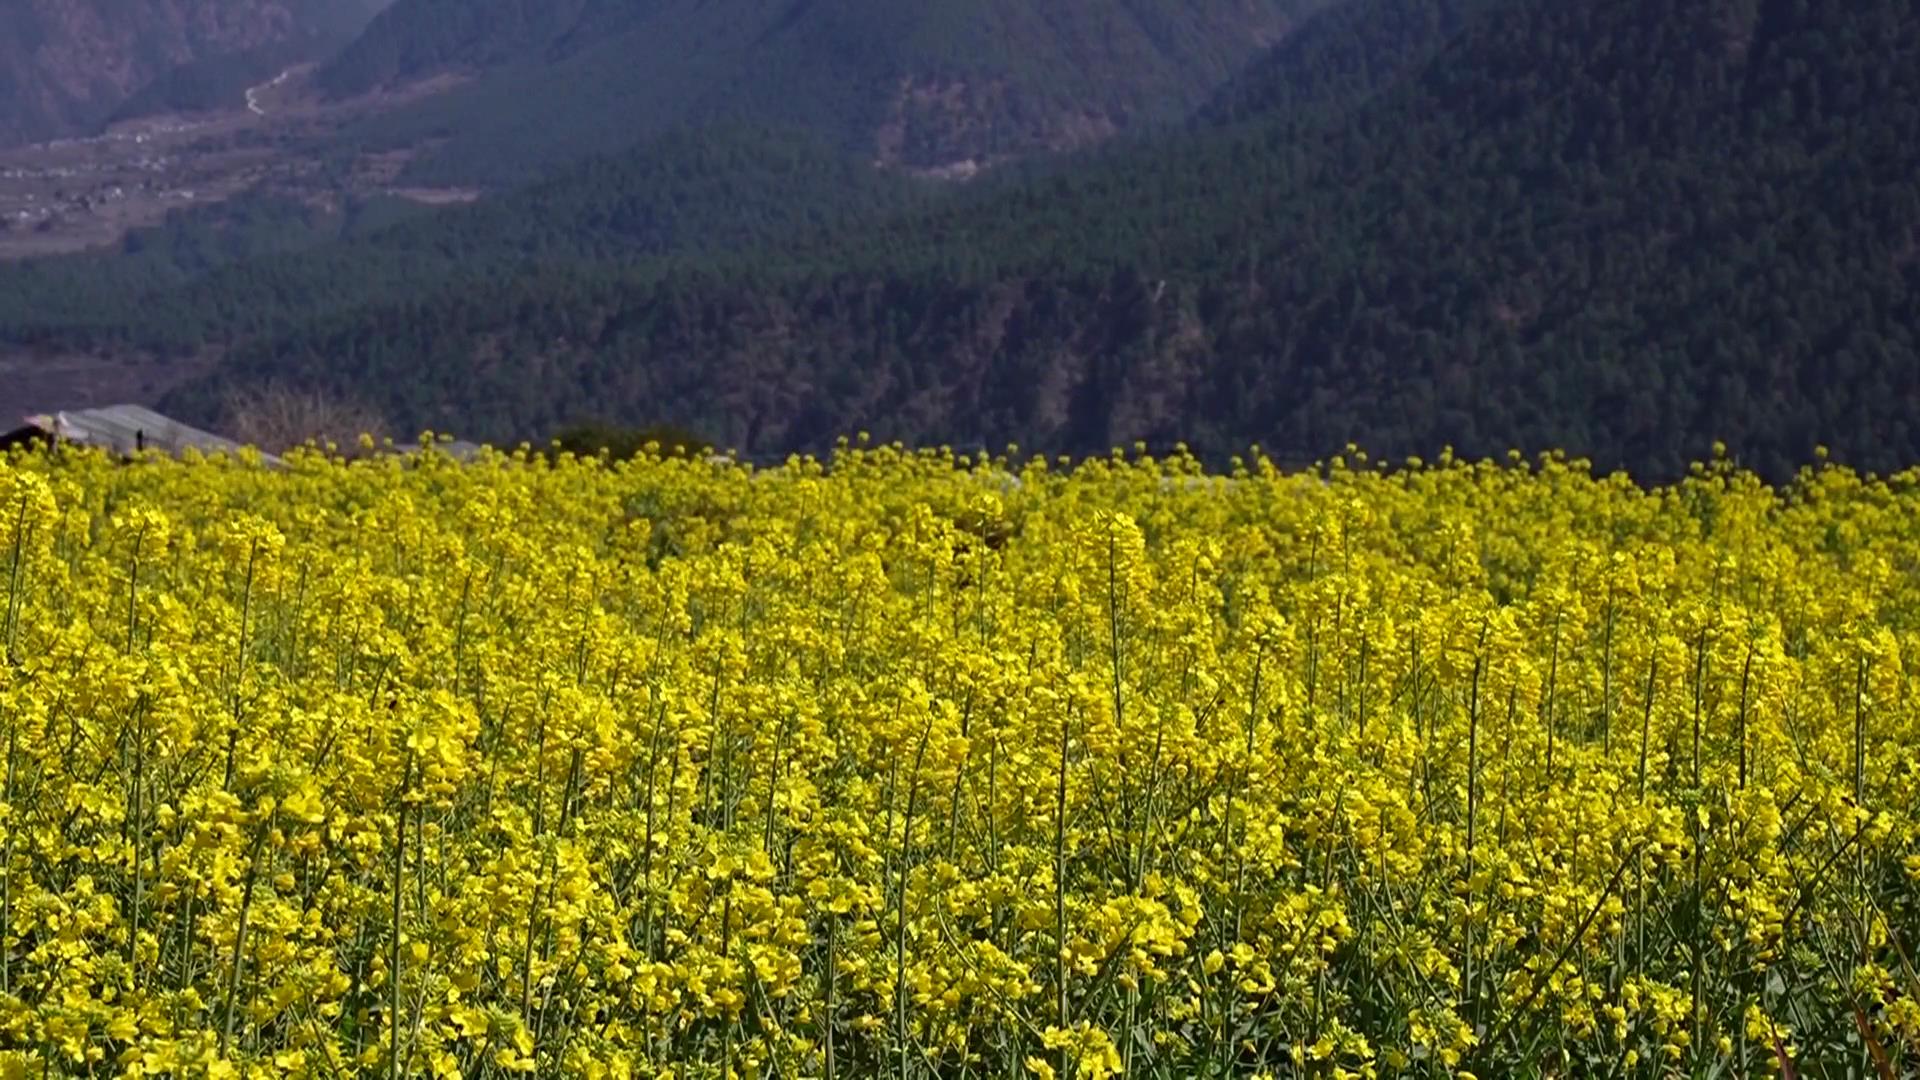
<point>66,66</point>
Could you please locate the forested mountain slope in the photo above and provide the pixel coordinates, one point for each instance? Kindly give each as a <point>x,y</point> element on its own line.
<point>1624,228</point>
<point>261,266</point>
<point>1618,227</point>
<point>66,66</point>
<point>915,84</point>
<point>691,194</point>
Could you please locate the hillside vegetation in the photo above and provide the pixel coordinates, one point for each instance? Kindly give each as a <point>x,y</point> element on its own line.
<point>264,265</point>
<point>1624,228</point>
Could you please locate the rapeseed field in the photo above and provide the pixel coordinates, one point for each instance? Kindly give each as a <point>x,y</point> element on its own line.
<point>905,764</point>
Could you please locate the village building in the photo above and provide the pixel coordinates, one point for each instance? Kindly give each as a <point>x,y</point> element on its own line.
<point>119,429</point>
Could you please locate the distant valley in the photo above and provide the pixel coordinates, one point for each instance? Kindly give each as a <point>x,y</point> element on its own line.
<point>438,100</point>
<point>87,192</point>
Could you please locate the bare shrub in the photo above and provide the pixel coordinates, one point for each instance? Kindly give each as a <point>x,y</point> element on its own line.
<point>276,417</point>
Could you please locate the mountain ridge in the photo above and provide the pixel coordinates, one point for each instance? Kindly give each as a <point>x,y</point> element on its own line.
<point>927,85</point>
<point>68,66</point>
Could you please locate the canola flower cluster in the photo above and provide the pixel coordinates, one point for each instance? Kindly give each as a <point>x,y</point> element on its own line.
<point>906,764</point>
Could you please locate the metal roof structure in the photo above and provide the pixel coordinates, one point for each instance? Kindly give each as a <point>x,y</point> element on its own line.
<point>127,429</point>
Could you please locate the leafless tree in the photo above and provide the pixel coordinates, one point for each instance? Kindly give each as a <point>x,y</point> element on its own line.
<point>276,417</point>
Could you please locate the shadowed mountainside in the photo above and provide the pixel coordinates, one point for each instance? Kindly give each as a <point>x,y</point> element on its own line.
<point>1620,228</point>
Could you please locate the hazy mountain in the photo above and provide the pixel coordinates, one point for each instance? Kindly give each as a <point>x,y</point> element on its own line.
<point>66,66</point>
<point>946,85</point>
